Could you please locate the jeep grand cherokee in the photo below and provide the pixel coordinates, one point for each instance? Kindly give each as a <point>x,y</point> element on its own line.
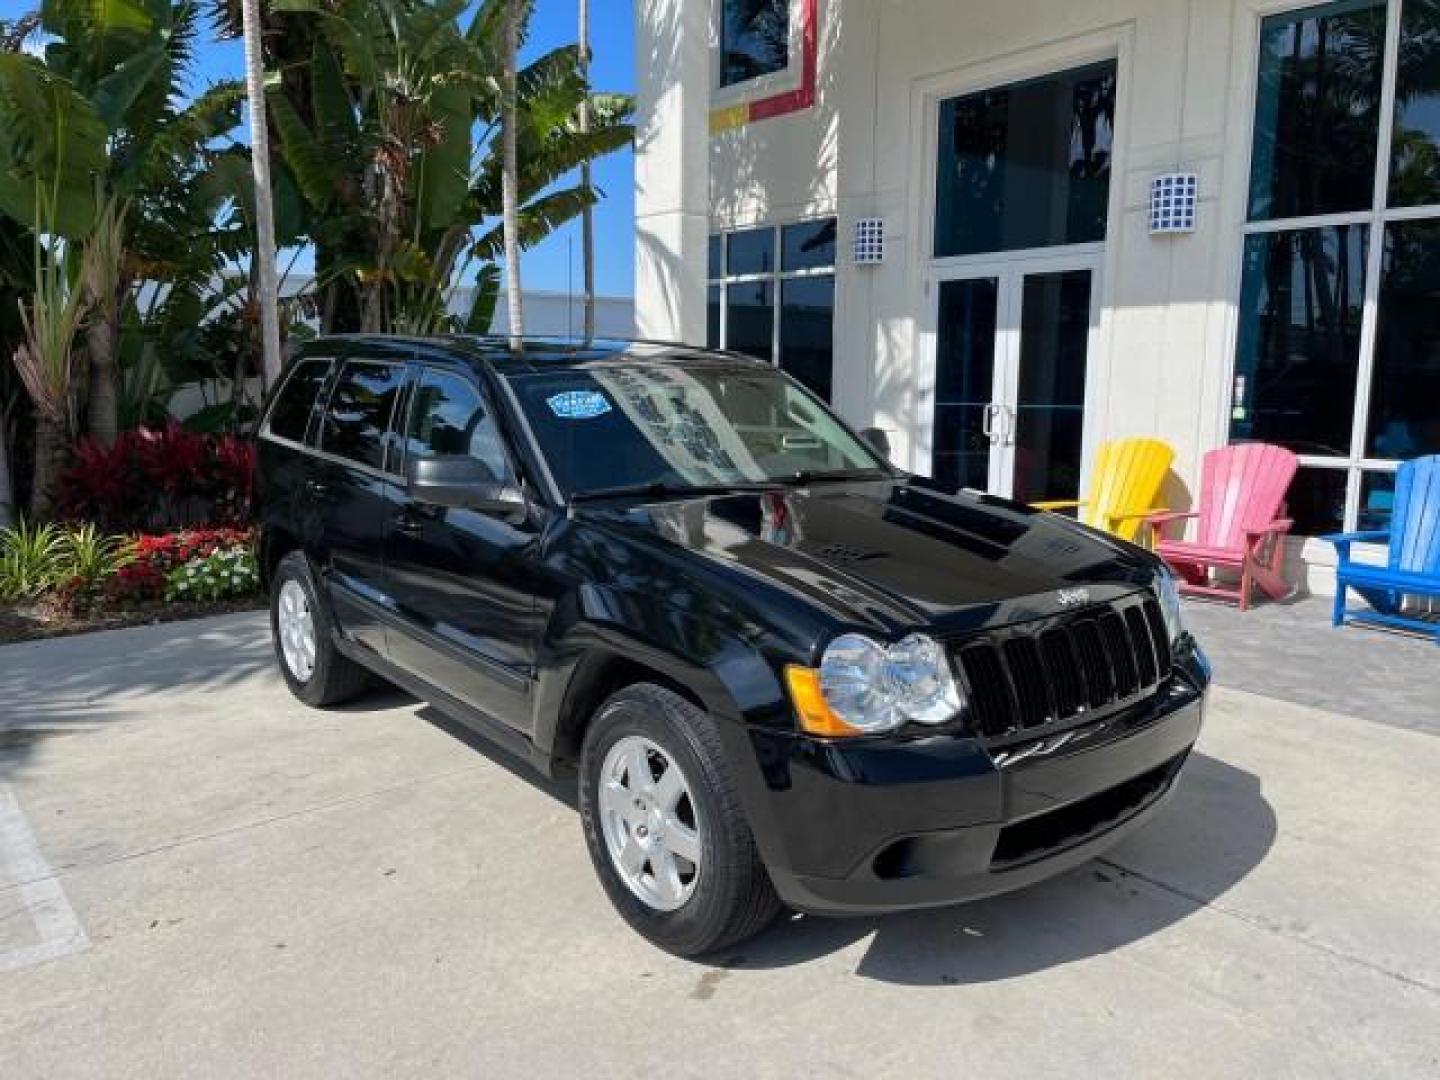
<point>784,672</point>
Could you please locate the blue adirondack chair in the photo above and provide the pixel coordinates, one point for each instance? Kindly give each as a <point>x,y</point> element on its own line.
<point>1414,564</point>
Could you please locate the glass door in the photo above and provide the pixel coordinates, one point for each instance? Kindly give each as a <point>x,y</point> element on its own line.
<point>964,445</point>
<point>1012,376</point>
<point>1044,427</point>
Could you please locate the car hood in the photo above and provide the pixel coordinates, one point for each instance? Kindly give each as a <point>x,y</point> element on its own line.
<point>899,554</point>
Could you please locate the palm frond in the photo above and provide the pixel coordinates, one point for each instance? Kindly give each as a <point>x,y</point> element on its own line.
<point>538,219</point>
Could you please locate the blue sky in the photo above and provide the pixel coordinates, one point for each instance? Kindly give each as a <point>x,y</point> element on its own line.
<point>555,264</point>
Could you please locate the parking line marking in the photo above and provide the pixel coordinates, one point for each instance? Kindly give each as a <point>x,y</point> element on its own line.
<point>41,894</point>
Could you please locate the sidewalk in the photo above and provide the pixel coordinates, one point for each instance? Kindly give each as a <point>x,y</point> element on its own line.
<point>1291,652</point>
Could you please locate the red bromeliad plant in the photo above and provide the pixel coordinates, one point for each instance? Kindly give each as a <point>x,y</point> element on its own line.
<point>135,583</point>
<point>158,479</point>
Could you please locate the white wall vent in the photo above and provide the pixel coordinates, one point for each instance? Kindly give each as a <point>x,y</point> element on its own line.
<point>1173,203</point>
<point>869,241</point>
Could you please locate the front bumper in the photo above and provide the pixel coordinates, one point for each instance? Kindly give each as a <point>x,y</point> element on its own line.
<point>889,826</point>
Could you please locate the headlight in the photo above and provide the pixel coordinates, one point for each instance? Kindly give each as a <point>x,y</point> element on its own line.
<point>1168,592</point>
<point>865,688</point>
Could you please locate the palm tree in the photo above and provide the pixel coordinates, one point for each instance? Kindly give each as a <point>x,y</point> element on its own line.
<point>13,274</point>
<point>510,174</point>
<point>103,277</point>
<point>142,151</point>
<point>587,216</point>
<point>395,138</point>
<point>53,146</point>
<point>48,363</point>
<point>264,210</point>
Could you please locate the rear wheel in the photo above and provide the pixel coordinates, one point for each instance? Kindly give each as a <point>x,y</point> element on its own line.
<point>664,825</point>
<point>314,669</point>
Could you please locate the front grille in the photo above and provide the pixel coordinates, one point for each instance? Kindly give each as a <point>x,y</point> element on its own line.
<point>1054,670</point>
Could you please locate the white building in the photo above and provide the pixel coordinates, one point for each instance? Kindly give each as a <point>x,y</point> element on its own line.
<point>558,314</point>
<point>1027,307</point>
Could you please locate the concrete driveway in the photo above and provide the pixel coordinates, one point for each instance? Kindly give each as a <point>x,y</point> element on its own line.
<point>199,877</point>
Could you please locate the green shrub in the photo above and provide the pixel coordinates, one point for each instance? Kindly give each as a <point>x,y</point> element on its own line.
<point>30,561</point>
<point>226,574</point>
<point>91,556</point>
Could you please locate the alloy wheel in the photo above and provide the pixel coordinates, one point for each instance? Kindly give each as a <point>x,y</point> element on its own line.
<point>649,822</point>
<point>295,625</point>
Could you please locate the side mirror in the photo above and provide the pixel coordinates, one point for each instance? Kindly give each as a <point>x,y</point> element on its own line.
<point>878,441</point>
<point>463,483</point>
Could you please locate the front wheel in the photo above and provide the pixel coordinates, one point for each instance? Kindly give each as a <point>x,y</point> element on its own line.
<point>664,826</point>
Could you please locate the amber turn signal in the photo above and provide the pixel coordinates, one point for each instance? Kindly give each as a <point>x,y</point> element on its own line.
<point>816,716</point>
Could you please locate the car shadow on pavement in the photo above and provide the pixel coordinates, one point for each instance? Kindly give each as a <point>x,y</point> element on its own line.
<point>563,789</point>
<point>1215,830</point>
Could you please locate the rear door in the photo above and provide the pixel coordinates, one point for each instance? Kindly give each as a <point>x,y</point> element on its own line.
<point>463,581</point>
<point>354,483</point>
<point>285,443</point>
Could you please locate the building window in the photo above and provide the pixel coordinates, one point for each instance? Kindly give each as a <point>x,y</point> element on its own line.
<point>1026,165</point>
<point>754,39</point>
<point>772,296</point>
<point>1338,351</point>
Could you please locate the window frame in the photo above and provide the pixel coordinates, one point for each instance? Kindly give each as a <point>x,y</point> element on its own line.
<point>316,442</point>
<point>785,78</point>
<point>333,361</point>
<point>775,278</point>
<point>1007,79</point>
<point>1377,218</point>
<point>418,370</point>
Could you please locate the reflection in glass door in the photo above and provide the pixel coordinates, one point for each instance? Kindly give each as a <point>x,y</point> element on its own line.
<point>965,382</point>
<point>1011,375</point>
<point>1048,417</point>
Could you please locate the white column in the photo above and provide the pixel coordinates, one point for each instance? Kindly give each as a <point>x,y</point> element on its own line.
<point>672,168</point>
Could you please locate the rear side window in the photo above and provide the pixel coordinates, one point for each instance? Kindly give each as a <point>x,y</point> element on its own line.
<point>358,419</point>
<point>290,418</point>
<point>448,418</point>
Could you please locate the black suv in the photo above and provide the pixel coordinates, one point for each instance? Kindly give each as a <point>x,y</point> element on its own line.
<point>785,672</point>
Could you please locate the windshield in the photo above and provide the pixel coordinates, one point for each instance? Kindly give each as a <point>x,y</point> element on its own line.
<point>661,427</point>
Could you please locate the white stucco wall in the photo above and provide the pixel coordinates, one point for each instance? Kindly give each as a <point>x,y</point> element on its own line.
<point>1186,71</point>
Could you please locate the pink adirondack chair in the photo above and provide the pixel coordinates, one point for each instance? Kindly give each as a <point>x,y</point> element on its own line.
<point>1239,524</point>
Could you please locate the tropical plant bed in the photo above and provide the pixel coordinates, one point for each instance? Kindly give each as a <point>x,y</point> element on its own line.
<point>65,579</point>
<point>37,622</point>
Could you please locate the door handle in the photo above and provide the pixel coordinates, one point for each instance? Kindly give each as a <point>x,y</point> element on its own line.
<point>409,524</point>
<point>412,519</point>
<point>1012,423</point>
<point>987,424</point>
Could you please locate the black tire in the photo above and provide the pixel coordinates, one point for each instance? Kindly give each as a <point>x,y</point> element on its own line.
<point>335,678</point>
<point>733,898</point>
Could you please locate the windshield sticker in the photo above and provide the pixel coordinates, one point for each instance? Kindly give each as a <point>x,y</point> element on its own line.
<point>579,405</point>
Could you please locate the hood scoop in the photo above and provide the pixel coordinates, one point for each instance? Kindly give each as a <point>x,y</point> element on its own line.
<point>841,554</point>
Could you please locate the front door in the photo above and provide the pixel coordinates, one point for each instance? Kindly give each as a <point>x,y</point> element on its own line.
<point>463,581</point>
<point>1021,209</point>
<point>350,489</point>
<point>1011,346</point>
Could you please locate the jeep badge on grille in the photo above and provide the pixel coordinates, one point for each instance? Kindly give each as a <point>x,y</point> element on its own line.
<point>1069,598</point>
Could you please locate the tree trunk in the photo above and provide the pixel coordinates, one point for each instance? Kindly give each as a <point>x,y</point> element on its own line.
<point>510,178</point>
<point>103,409</point>
<point>339,303</point>
<point>7,485</point>
<point>587,216</point>
<point>264,254</point>
<point>51,452</point>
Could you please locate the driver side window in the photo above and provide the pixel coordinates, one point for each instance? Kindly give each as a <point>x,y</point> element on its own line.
<point>448,418</point>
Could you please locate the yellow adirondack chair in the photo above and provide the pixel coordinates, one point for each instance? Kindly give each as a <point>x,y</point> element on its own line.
<point>1128,476</point>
